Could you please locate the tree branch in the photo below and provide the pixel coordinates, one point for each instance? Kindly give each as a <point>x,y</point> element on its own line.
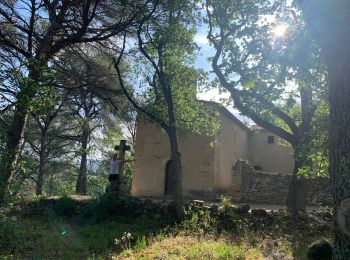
<point>235,93</point>
<point>129,97</point>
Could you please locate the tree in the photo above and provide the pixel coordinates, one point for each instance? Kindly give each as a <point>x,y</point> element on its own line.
<point>44,121</point>
<point>87,109</point>
<point>94,96</point>
<point>257,68</point>
<point>128,118</point>
<point>165,43</point>
<point>328,22</point>
<point>31,34</point>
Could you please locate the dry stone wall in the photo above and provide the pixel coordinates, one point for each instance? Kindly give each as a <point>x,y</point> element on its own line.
<point>272,188</point>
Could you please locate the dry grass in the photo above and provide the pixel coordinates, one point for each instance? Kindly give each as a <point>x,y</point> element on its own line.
<point>43,231</point>
<point>189,247</point>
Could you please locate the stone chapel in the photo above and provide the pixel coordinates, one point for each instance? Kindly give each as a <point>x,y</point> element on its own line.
<point>207,161</point>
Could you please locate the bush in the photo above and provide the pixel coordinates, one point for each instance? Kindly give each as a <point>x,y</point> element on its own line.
<point>198,220</point>
<point>226,202</point>
<point>89,209</point>
<point>65,206</point>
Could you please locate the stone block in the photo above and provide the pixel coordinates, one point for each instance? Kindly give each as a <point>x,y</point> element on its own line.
<point>198,203</point>
<point>319,250</point>
<point>259,213</point>
<point>243,208</point>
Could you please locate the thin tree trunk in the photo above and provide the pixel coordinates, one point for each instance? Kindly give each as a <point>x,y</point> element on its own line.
<point>177,171</point>
<point>296,199</point>
<point>51,183</point>
<point>42,162</point>
<point>81,186</point>
<point>174,148</point>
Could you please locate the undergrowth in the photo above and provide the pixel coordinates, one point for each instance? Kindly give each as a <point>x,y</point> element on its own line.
<point>122,227</point>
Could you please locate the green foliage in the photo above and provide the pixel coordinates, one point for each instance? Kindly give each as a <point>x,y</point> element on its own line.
<point>63,185</point>
<point>318,148</point>
<point>110,204</point>
<point>65,206</point>
<point>124,243</point>
<point>27,165</point>
<point>46,228</point>
<point>168,40</point>
<point>38,91</point>
<point>198,221</point>
<point>26,168</point>
<point>320,139</point>
<point>277,80</point>
<point>226,202</point>
<point>219,250</point>
<point>53,236</point>
<point>97,183</point>
<point>107,144</point>
<point>141,243</point>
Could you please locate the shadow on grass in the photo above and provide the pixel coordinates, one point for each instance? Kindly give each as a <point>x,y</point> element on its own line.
<point>68,229</point>
<point>305,235</point>
<point>65,228</point>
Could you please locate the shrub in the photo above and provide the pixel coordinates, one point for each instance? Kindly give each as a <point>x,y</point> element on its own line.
<point>65,206</point>
<point>226,202</point>
<point>199,221</point>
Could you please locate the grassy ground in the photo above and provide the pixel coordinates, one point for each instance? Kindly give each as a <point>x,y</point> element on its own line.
<point>191,247</point>
<point>99,230</point>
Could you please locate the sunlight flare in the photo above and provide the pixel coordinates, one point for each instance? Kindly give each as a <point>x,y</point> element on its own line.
<point>279,30</point>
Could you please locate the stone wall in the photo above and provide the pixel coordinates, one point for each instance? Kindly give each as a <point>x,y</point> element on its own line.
<point>231,144</point>
<point>272,188</point>
<point>271,157</point>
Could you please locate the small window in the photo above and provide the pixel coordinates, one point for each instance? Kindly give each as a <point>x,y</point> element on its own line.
<point>271,139</point>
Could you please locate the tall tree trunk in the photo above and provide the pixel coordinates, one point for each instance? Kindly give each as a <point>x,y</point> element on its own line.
<point>329,24</point>
<point>176,169</point>
<point>171,131</point>
<point>51,183</point>
<point>174,148</point>
<point>14,140</point>
<point>15,133</point>
<point>296,199</point>
<point>339,149</point>
<point>42,161</point>
<point>81,186</point>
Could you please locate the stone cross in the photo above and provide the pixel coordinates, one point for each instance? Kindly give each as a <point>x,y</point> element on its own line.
<point>121,148</point>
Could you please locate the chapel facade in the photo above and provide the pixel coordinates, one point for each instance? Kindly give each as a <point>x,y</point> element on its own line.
<point>207,162</point>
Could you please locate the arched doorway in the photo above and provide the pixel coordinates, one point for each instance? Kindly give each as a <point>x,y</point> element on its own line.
<point>169,179</point>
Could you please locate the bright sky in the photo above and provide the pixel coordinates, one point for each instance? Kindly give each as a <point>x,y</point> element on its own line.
<point>207,51</point>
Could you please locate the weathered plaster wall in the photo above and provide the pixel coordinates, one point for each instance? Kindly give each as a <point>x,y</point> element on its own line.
<point>262,187</point>
<point>276,157</point>
<point>231,144</point>
<point>152,152</point>
<point>151,156</point>
<point>207,164</point>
